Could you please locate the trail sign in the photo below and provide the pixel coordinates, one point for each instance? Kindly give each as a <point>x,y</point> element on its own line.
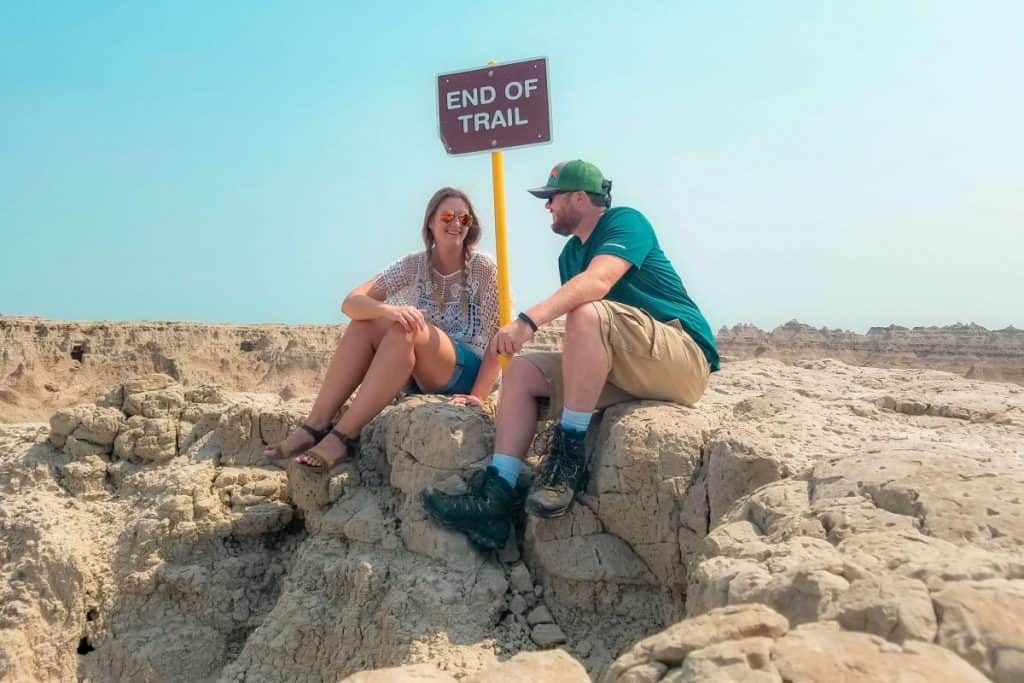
<point>495,107</point>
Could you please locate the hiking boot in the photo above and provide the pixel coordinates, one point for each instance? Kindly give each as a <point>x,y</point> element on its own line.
<point>562,475</point>
<point>491,534</point>
<point>484,513</point>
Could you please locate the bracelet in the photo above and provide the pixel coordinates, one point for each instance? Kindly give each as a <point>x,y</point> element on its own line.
<point>528,320</point>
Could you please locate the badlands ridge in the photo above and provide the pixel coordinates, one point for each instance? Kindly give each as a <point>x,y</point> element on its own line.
<point>50,364</point>
<point>808,521</point>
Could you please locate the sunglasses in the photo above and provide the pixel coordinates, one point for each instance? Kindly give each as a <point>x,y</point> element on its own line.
<point>464,219</point>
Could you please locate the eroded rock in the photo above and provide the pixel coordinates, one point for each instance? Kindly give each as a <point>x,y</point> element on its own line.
<point>856,527</point>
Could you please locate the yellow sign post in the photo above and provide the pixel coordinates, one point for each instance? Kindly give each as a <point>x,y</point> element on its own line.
<point>501,241</point>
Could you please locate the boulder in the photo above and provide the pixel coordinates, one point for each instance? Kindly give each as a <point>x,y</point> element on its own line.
<point>94,425</point>
<point>645,456</point>
<point>673,645</point>
<point>981,622</point>
<point>893,607</point>
<point>743,660</point>
<point>149,440</point>
<point>427,440</point>
<point>532,667</point>
<point>238,430</point>
<point>153,396</point>
<point>547,635</point>
<point>823,652</point>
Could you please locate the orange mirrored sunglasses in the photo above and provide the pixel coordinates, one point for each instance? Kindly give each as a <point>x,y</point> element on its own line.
<point>465,219</point>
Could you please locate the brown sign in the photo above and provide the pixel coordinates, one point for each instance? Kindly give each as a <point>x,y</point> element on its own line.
<point>498,106</point>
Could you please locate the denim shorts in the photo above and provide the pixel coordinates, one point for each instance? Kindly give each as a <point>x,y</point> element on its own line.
<point>467,365</point>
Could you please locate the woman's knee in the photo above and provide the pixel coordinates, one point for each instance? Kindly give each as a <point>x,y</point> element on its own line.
<point>370,330</point>
<point>359,326</point>
<point>396,334</point>
<point>427,337</point>
<point>363,329</point>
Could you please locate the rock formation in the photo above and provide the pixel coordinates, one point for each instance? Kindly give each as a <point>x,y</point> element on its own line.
<point>812,522</point>
<point>968,350</point>
<point>50,364</point>
<point>46,365</point>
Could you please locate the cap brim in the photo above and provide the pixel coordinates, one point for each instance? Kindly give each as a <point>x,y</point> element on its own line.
<point>541,192</point>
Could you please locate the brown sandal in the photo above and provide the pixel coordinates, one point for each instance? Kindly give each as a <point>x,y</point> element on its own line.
<point>326,466</point>
<point>279,452</point>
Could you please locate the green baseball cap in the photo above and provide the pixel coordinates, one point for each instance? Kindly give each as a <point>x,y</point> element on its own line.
<point>571,176</point>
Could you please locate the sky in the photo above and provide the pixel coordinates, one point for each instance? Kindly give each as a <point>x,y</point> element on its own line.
<point>846,164</point>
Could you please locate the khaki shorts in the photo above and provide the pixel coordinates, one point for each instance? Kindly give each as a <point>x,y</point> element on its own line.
<point>649,360</point>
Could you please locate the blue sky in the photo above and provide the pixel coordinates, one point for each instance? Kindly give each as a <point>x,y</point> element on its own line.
<point>846,164</point>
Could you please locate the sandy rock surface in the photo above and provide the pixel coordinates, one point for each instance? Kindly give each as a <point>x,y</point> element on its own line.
<point>804,522</point>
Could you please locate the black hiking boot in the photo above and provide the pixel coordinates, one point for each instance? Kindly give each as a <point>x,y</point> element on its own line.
<point>484,513</point>
<point>562,475</point>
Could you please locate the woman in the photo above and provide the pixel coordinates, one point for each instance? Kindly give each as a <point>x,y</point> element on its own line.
<point>427,317</point>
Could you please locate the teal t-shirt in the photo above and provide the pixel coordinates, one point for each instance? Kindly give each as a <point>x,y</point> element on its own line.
<point>651,284</point>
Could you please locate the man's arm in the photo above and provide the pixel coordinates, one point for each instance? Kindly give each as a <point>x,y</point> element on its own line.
<point>590,285</point>
<point>593,284</point>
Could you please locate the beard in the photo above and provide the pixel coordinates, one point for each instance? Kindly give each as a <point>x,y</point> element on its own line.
<point>565,222</point>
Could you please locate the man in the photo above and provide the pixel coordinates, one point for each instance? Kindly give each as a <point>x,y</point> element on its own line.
<point>631,332</point>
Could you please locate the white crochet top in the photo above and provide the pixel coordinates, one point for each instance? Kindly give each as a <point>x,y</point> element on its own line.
<point>406,281</point>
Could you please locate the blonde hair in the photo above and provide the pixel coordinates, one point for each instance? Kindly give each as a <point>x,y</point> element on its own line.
<point>468,244</point>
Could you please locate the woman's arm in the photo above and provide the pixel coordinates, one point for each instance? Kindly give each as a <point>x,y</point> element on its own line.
<point>366,302</point>
<point>487,374</point>
<point>485,378</point>
<point>485,271</point>
<point>491,365</point>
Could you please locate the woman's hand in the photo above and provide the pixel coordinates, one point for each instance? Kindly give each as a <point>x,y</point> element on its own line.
<point>409,317</point>
<point>467,400</point>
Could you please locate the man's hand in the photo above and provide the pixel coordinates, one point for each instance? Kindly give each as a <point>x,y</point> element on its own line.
<point>509,339</point>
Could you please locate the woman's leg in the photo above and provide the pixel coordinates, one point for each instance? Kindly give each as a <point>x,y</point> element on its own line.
<point>344,373</point>
<point>427,355</point>
<point>348,366</point>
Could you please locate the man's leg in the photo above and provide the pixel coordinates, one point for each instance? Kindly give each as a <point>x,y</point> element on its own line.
<point>585,367</point>
<point>585,362</point>
<point>516,424</point>
<point>521,385</point>
<point>485,512</point>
